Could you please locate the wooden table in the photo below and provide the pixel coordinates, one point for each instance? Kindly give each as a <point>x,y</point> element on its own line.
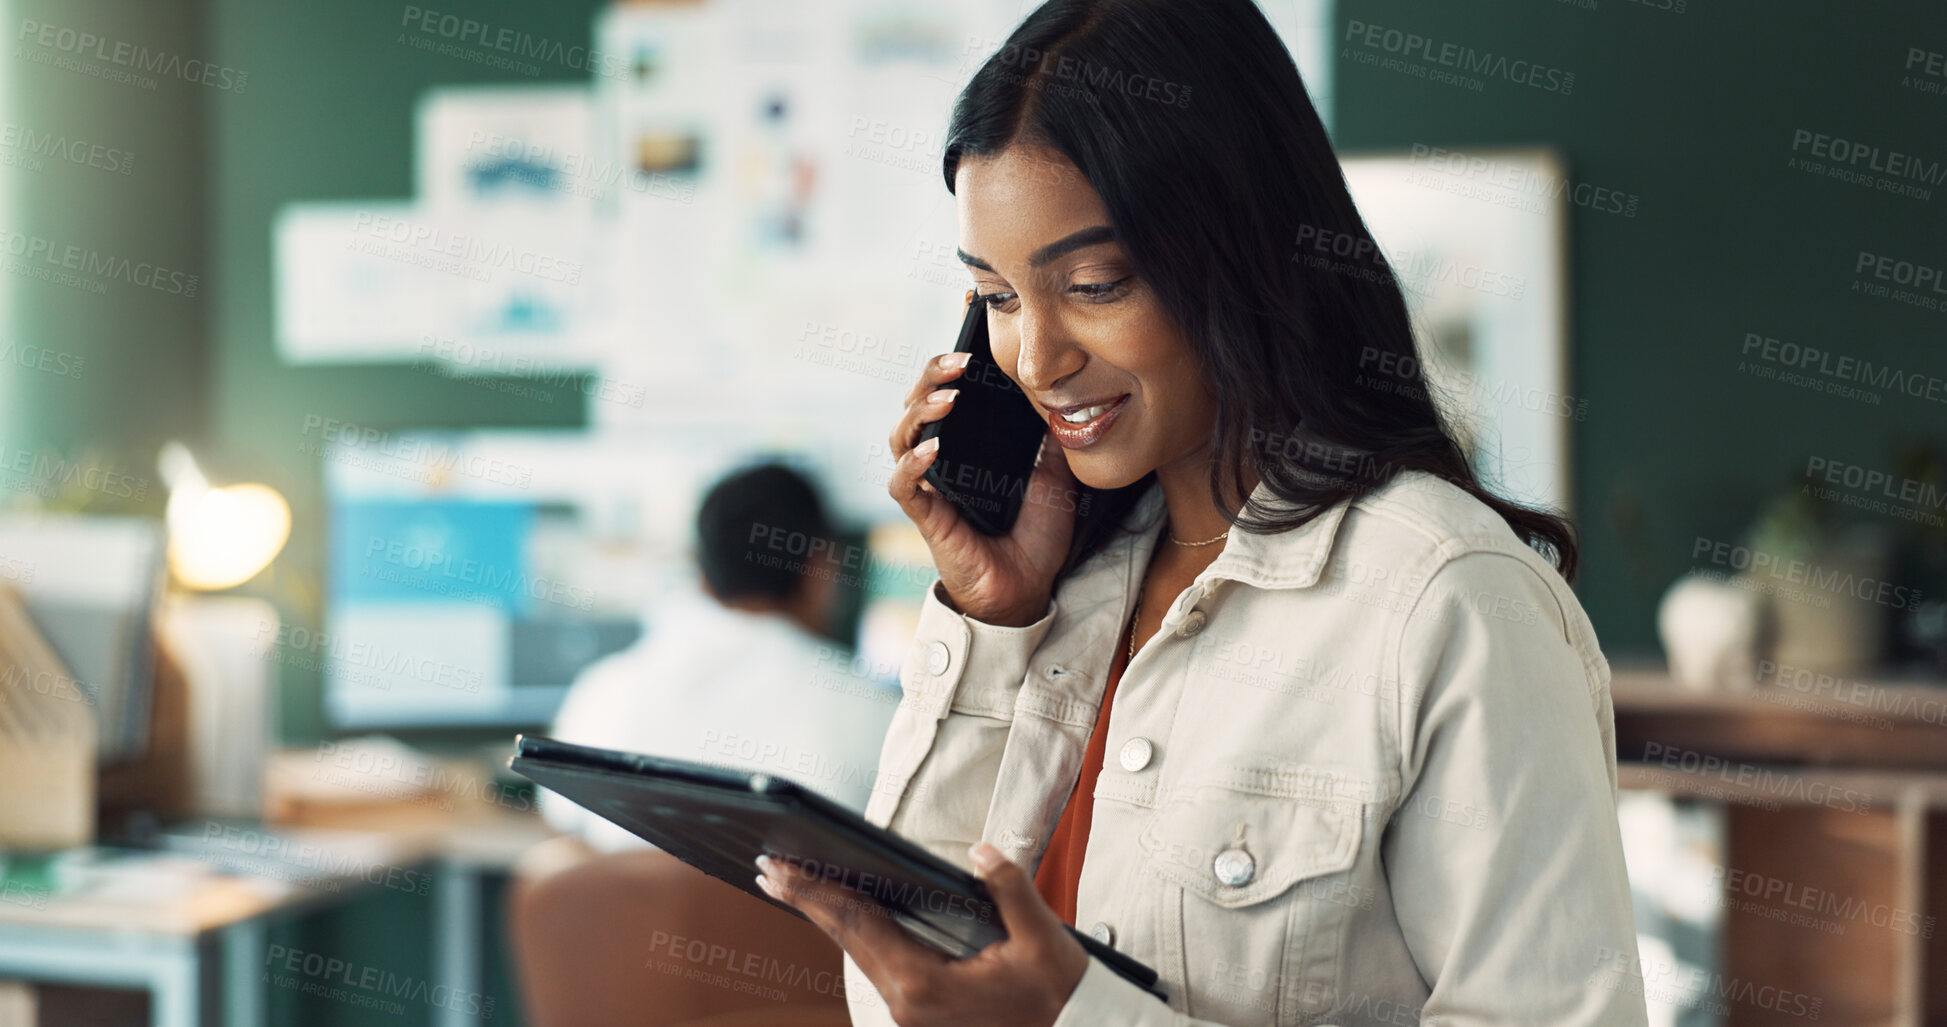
<point>1835,847</point>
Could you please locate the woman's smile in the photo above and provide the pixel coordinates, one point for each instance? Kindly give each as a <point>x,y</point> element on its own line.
<point>1083,425</point>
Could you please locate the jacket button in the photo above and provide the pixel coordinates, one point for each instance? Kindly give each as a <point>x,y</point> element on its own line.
<point>1136,753</point>
<point>1234,868</point>
<point>1191,624</point>
<point>938,657</point>
<point>1103,933</point>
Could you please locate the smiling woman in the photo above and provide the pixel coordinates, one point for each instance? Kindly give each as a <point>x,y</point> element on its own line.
<point>1283,601</point>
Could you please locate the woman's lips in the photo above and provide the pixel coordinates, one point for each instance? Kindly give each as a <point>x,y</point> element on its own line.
<point>1081,436</point>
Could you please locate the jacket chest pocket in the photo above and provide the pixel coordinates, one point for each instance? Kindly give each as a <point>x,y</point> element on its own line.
<point>1254,900</point>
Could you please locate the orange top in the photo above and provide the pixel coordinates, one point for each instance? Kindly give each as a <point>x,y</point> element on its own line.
<point>1060,873</point>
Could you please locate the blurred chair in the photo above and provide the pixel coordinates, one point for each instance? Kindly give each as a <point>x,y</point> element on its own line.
<point>595,942</point>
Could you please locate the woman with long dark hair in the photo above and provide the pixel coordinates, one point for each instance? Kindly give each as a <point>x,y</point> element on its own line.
<point>1264,688</point>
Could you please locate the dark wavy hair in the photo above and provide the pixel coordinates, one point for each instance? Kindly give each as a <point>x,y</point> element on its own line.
<point>1192,124</point>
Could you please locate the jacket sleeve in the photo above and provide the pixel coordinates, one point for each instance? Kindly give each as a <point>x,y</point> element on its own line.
<point>1504,858</point>
<point>943,748</point>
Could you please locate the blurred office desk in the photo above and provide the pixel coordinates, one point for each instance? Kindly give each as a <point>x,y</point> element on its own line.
<point>188,921</point>
<point>1835,834</point>
<point>471,828</point>
<point>186,924</point>
<point>469,856</point>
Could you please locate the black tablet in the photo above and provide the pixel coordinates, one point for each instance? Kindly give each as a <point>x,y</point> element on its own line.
<point>719,821</point>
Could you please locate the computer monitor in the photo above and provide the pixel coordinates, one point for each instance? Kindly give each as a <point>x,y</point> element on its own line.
<point>471,575</point>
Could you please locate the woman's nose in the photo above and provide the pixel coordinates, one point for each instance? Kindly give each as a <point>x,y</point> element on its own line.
<point>1047,354</point>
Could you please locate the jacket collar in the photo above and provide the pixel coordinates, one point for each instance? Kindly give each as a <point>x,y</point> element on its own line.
<point>1292,559</point>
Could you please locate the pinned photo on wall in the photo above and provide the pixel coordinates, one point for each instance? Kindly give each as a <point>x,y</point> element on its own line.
<point>497,147</point>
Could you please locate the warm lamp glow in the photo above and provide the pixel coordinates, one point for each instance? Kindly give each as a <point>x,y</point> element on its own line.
<point>219,537</point>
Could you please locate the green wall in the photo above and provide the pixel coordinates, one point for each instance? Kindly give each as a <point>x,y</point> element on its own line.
<point>1695,113</point>
<point>328,115</point>
<point>126,366</point>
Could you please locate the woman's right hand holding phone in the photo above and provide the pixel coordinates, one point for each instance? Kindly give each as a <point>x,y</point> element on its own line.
<point>1004,579</point>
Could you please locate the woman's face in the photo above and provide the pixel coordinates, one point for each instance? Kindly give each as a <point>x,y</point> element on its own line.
<point>1072,324</point>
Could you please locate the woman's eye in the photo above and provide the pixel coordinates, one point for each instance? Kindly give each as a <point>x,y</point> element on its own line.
<point>997,300</point>
<point>1101,291</point>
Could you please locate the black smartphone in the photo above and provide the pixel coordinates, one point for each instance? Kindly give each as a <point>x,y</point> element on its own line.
<point>989,440</point>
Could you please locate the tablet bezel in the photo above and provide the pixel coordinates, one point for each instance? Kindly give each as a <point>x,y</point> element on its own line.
<point>538,759</point>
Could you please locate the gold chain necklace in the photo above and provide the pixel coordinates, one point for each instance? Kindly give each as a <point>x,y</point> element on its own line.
<point>1135,616</point>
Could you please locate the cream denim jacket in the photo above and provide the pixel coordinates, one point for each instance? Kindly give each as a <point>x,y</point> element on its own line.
<point>1364,773</point>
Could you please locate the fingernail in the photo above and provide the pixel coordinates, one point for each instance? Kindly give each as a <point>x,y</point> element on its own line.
<point>928,446</point>
<point>945,395</point>
<point>764,863</point>
<point>765,883</point>
<point>955,359</point>
<point>986,857</point>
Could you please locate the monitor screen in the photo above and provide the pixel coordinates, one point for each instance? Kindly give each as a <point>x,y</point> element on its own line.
<point>471,575</point>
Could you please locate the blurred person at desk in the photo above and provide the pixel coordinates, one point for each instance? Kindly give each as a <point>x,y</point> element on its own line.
<point>740,675</point>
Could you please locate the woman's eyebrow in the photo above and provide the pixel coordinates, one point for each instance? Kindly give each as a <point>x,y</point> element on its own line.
<point>1053,251</point>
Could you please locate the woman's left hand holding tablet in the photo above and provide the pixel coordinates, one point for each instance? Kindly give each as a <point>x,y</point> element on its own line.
<point>1024,980</point>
